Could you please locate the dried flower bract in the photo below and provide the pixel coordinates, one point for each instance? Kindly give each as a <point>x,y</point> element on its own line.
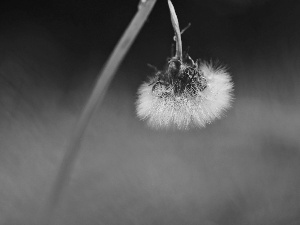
<point>195,96</point>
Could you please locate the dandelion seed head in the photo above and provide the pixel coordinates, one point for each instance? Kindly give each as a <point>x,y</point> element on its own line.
<point>186,94</point>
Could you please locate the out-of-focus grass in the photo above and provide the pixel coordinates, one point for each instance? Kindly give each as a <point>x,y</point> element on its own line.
<point>243,169</point>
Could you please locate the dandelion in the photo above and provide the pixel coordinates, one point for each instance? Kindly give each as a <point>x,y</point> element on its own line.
<point>186,93</point>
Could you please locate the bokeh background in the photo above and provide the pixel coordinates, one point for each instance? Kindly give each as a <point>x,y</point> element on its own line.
<point>242,169</point>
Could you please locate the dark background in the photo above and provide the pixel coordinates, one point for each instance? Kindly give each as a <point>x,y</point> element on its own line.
<point>242,169</point>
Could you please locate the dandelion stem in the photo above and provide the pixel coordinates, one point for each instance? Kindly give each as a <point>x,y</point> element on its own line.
<point>177,31</point>
<point>105,77</point>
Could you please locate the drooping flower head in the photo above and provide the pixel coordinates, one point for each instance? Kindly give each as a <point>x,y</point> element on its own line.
<point>186,93</point>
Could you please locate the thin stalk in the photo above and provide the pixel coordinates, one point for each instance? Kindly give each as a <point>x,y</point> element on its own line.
<point>104,78</point>
<point>177,31</point>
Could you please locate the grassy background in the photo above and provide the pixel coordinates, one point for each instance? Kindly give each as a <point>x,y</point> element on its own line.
<point>243,169</point>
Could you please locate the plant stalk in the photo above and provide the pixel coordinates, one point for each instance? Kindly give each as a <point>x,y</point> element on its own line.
<point>177,31</point>
<point>104,78</point>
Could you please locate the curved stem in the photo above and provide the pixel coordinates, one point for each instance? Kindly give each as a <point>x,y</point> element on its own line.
<point>97,95</point>
<point>177,31</point>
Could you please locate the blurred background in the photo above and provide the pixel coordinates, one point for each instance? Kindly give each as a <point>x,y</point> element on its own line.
<point>242,169</point>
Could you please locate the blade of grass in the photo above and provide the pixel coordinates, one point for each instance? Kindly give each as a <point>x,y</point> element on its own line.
<point>105,77</point>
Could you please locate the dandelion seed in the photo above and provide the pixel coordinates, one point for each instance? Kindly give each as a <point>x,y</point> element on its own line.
<point>186,93</point>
